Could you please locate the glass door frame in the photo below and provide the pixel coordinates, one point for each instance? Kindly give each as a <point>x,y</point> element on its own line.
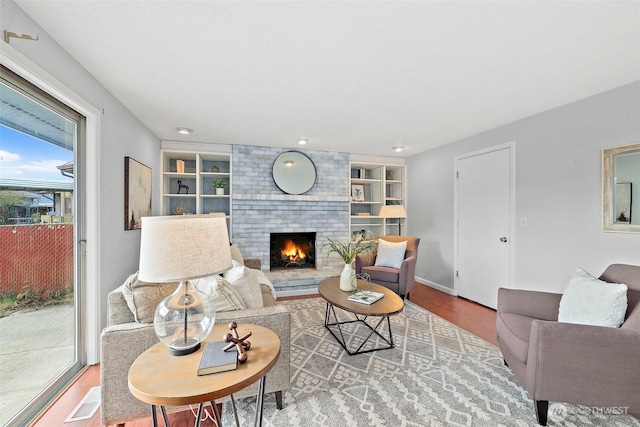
<point>86,235</point>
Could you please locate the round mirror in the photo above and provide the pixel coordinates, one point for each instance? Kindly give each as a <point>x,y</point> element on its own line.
<point>294,172</point>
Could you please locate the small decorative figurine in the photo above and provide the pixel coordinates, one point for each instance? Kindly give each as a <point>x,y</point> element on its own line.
<point>181,186</point>
<point>240,342</point>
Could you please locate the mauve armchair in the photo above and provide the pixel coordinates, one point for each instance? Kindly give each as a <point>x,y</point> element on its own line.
<point>400,280</point>
<point>567,362</point>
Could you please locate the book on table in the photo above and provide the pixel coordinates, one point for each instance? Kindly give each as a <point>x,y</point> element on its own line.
<point>365,297</point>
<point>215,359</point>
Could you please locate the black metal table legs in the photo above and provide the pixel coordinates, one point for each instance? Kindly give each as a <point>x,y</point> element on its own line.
<point>363,320</point>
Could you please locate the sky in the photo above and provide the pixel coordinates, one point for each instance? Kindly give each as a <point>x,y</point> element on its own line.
<point>26,158</point>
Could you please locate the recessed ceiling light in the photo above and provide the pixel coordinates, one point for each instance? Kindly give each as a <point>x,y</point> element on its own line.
<point>184,131</point>
<point>302,141</point>
<point>398,148</point>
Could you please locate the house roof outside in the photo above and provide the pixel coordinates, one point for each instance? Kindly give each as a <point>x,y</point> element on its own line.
<point>34,186</point>
<point>31,118</point>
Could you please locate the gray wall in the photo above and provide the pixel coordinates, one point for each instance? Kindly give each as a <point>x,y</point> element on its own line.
<point>558,190</point>
<point>121,134</point>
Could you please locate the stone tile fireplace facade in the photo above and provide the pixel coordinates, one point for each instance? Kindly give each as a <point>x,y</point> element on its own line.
<point>261,208</point>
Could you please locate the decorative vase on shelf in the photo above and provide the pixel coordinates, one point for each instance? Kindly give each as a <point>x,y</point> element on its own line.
<point>348,279</point>
<point>219,185</point>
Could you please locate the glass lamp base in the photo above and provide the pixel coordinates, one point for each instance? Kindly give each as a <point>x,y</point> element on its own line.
<point>184,318</point>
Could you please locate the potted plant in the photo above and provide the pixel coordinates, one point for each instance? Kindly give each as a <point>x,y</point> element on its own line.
<point>219,185</point>
<point>35,217</point>
<point>348,252</point>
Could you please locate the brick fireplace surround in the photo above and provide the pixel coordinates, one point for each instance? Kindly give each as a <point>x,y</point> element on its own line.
<point>260,208</point>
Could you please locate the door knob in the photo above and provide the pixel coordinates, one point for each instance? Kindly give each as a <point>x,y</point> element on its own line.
<point>503,239</point>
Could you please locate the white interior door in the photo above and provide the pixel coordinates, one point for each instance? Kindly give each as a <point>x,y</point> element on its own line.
<point>484,200</point>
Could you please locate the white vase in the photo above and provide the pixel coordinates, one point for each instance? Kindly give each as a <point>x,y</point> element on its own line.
<point>220,191</point>
<point>348,279</point>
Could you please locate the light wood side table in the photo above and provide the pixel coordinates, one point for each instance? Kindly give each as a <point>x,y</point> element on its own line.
<point>160,379</point>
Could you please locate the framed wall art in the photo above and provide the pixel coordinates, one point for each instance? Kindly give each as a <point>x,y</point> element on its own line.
<point>137,193</point>
<point>357,192</point>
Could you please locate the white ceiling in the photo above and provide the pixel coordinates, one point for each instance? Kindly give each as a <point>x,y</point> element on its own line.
<point>357,77</point>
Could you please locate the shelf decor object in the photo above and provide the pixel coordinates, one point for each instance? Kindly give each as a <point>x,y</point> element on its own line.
<point>393,211</point>
<point>219,185</point>
<point>178,249</point>
<point>180,166</point>
<point>357,193</point>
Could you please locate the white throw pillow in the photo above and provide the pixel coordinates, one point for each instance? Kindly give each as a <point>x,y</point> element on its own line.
<point>225,296</point>
<point>590,301</point>
<point>246,284</point>
<point>236,256</point>
<point>143,297</point>
<point>390,254</point>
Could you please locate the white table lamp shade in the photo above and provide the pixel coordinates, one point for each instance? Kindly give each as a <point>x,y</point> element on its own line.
<point>181,248</point>
<point>392,211</point>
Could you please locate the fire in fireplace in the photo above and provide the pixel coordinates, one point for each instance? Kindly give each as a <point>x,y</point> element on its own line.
<point>292,250</point>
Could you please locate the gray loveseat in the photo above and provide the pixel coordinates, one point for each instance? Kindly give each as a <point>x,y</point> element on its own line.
<point>124,339</point>
<point>567,362</point>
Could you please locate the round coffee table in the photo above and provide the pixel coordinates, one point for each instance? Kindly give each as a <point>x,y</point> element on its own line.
<point>389,305</point>
<point>160,379</point>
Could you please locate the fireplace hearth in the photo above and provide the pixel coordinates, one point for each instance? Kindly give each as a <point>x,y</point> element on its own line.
<point>292,250</point>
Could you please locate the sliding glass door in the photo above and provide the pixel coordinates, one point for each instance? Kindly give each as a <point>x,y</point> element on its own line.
<point>40,264</point>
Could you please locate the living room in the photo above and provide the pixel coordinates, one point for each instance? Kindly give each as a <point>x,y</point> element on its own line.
<point>557,173</point>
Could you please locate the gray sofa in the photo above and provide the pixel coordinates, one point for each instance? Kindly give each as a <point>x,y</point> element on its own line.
<point>124,339</point>
<point>567,362</point>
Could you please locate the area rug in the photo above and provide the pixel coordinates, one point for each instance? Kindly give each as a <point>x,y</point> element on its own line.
<point>437,375</point>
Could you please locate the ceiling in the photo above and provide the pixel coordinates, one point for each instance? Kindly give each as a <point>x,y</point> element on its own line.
<point>357,77</point>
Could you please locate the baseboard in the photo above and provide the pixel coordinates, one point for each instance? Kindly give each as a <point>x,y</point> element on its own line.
<point>436,286</point>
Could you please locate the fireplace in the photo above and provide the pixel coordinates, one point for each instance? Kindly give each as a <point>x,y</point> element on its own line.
<point>292,250</point>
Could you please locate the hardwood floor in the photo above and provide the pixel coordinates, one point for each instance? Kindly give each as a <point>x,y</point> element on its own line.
<point>468,315</point>
<point>60,409</point>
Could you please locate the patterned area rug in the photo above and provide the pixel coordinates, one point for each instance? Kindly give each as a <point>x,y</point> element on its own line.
<point>437,375</point>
